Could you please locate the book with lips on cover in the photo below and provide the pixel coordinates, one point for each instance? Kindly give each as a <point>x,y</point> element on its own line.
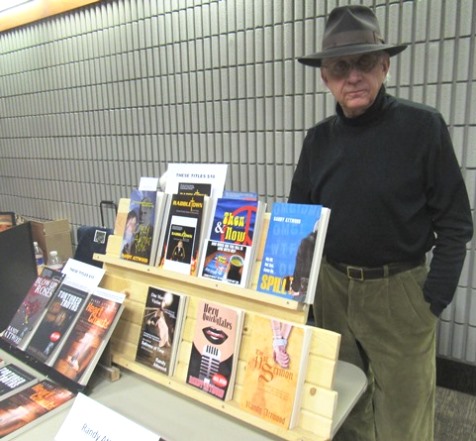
<point>215,349</point>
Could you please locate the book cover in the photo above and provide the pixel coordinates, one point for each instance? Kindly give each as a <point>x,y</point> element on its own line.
<point>183,233</point>
<point>215,349</point>
<point>161,330</point>
<point>27,407</point>
<point>139,230</point>
<point>276,362</point>
<point>293,251</point>
<point>13,379</point>
<point>231,241</point>
<point>85,343</point>
<point>31,309</point>
<point>208,179</point>
<point>58,319</point>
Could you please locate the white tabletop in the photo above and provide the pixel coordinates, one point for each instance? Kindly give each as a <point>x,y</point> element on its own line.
<point>177,418</point>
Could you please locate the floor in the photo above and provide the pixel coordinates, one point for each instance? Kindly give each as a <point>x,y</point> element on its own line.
<point>455,416</point>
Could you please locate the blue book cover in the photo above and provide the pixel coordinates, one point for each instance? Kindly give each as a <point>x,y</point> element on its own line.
<point>231,241</point>
<point>293,250</point>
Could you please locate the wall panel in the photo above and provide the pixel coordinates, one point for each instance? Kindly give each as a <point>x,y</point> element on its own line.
<point>95,98</point>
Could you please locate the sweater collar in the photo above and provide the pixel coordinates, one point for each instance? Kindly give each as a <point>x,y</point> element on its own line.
<point>371,114</point>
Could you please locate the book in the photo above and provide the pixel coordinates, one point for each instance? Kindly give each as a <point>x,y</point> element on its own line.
<point>228,254</point>
<point>32,307</point>
<point>13,379</point>
<point>161,329</point>
<point>209,179</point>
<point>28,407</point>
<point>276,366</point>
<point>293,251</point>
<point>183,234</point>
<point>90,334</point>
<point>139,230</point>
<point>215,349</point>
<point>59,317</point>
<point>161,204</point>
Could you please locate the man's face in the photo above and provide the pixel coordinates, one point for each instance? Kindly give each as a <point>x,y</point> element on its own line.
<point>355,80</point>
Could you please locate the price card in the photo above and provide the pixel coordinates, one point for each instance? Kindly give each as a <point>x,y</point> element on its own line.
<point>92,421</point>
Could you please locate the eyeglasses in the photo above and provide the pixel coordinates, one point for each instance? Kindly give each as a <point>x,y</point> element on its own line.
<point>340,68</point>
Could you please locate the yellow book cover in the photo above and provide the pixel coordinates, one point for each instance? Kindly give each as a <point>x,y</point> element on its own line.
<point>275,370</point>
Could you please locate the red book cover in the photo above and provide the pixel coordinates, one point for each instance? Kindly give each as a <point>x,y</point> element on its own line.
<point>86,341</point>
<point>30,405</point>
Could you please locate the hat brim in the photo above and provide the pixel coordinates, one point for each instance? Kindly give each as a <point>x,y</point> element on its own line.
<point>315,60</point>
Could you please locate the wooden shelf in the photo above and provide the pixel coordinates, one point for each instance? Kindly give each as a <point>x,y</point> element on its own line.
<point>319,403</point>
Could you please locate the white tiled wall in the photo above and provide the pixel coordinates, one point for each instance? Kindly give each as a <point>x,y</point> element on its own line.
<point>93,99</point>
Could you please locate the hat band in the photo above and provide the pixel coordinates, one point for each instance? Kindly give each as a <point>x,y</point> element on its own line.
<point>348,38</point>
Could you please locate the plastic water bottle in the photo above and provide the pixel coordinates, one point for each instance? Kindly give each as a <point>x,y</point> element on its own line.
<point>54,261</point>
<point>39,256</point>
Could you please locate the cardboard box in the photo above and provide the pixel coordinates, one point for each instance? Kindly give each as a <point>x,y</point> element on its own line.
<point>53,235</point>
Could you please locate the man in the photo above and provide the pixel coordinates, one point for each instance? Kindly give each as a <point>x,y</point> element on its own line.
<point>387,169</point>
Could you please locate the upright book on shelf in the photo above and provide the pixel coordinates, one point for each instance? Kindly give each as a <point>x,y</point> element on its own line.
<point>139,229</point>
<point>276,365</point>
<point>57,321</point>
<point>13,379</point>
<point>161,330</point>
<point>28,407</point>
<point>293,251</point>
<point>90,334</point>
<point>32,307</point>
<point>215,349</point>
<point>233,235</point>
<point>183,234</point>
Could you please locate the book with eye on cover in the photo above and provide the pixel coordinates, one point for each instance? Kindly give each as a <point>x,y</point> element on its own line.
<point>29,313</point>
<point>215,349</point>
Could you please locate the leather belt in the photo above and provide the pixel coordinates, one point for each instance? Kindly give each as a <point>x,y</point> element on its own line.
<point>362,273</point>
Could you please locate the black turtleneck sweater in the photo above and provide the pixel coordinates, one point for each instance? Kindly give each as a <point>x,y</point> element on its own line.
<point>393,183</point>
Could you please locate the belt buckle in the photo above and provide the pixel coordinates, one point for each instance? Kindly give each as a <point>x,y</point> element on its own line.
<point>355,273</point>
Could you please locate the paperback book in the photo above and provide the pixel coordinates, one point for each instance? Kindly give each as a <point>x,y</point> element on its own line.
<point>161,330</point>
<point>231,242</point>
<point>139,229</point>
<point>83,347</point>
<point>28,407</point>
<point>13,379</point>
<point>293,251</point>
<point>58,319</point>
<point>276,365</point>
<point>31,309</point>
<point>215,349</point>
<point>182,239</point>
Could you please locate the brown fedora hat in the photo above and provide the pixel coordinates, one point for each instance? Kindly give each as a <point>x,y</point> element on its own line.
<point>350,30</point>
